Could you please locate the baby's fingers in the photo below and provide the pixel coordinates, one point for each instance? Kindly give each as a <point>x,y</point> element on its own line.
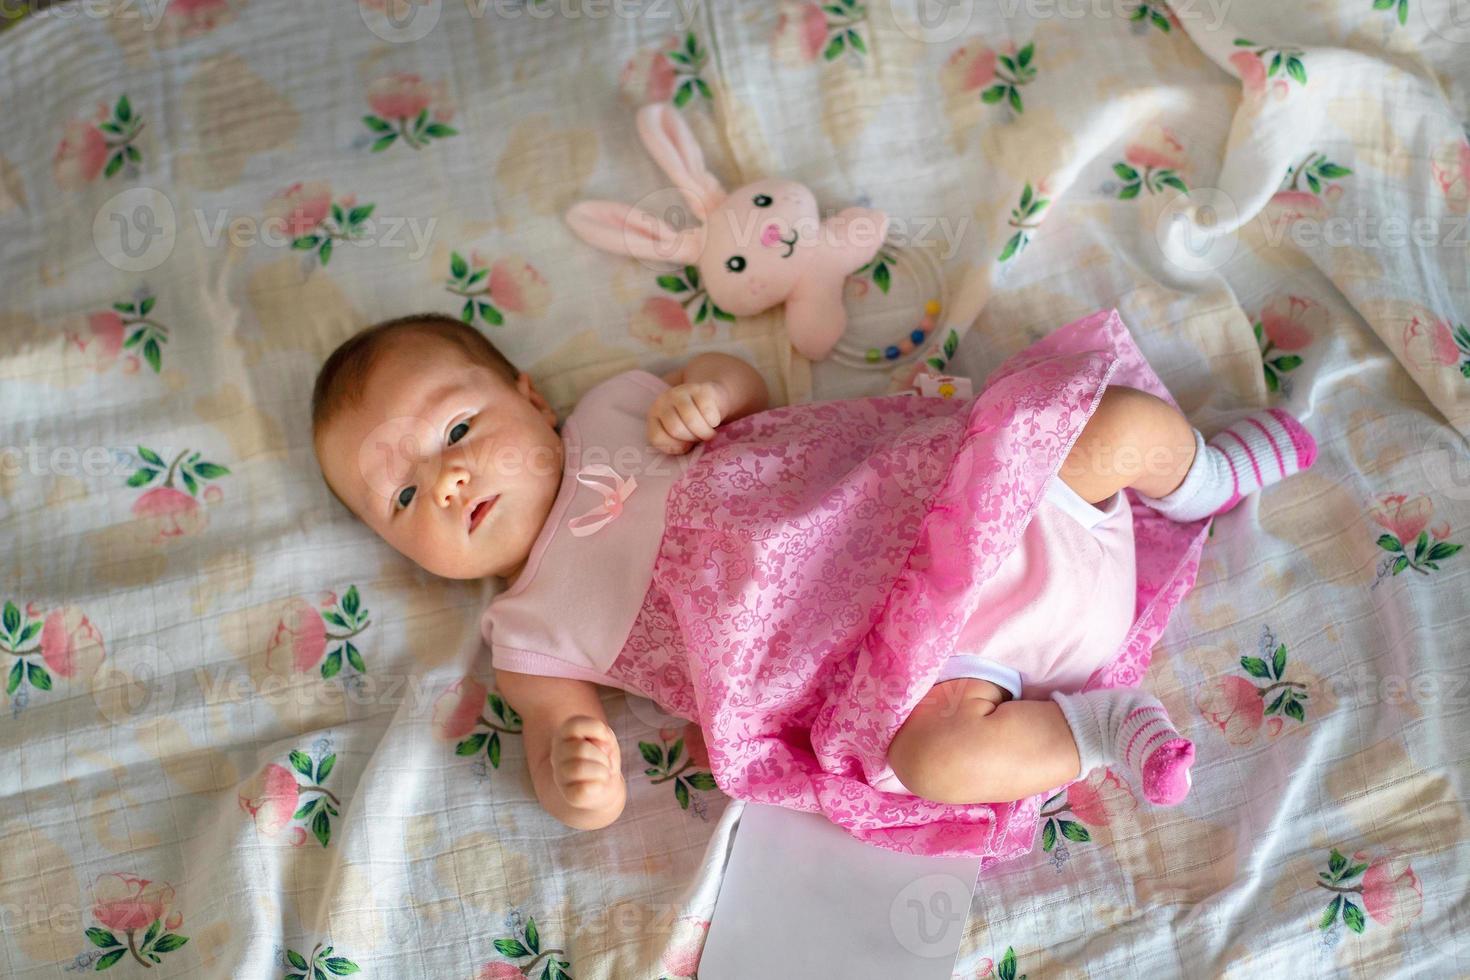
<point>693,418</point>
<point>660,439</point>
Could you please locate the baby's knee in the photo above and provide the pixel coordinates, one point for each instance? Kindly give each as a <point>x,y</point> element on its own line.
<point>935,754</point>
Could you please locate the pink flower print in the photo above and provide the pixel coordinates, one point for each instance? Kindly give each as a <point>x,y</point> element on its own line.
<point>1151,163</point>
<point>1391,891</point>
<point>693,737</point>
<point>100,145</point>
<point>1270,63</point>
<point>513,285</point>
<point>662,323</point>
<point>401,95</point>
<point>801,34</point>
<point>410,108</point>
<point>172,514</point>
<point>66,641</point>
<point>675,761</point>
<point>686,946</point>
<point>1233,705</point>
<point>169,513</point>
<point>1096,800</point>
<point>79,156</point>
<point>808,30</point>
<point>1252,72</point>
<point>458,710</point>
<point>1408,543</point>
<point>299,639</point>
<point>1290,322</point>
<point>1402,517</point>
<point>971,66</point>
<point>1287,323</point>
<point>528,943</point>
<point>99,341</point>
<point>299,209</point>
<point>126,904</point>
<point>1158,148</point>
<point>1287,206</point>
<point>1428,345</point>
<point>70,644</point>
<point>462,709</point>
<point>500,971</point>
<point>669,71</point>
<point>126,326</point>
<point>1388,889</point>
<point>1010,70</point>
<point>1451,169</point>
<point>517,287</point>
<point>649,75</point>
<point>188,18</point>
<point>271,798</point>
<point>1100,798</point>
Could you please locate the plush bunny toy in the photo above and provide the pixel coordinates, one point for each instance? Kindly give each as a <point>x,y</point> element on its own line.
<point>758,245</point>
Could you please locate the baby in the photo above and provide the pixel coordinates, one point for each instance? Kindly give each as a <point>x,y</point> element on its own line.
<point>671,518</point>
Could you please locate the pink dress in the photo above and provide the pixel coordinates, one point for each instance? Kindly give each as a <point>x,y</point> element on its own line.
<point>818,568</point>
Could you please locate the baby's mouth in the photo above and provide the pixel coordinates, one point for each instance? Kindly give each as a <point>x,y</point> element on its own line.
<point>480,508</point>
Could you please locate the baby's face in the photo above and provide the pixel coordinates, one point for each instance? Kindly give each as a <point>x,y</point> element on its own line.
<point>445,460</point>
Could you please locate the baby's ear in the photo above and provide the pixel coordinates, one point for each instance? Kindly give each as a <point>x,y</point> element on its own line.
<point>528,391</point>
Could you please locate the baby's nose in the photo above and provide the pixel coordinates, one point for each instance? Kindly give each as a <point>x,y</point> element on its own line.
<point>450,480</point>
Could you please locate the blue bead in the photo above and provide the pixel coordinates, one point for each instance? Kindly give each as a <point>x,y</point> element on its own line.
<point>917,336</point>
<point>891,353</point>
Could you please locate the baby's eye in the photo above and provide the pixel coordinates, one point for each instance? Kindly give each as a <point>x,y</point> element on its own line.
<point>735,263</point>
<point>405,496</point>
<point>762,200</point>
<point>458,432</point>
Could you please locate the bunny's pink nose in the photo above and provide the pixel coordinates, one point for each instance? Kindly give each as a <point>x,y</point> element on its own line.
<point>771,235</point>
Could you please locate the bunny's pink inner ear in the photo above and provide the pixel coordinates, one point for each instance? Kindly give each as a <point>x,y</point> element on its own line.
<point>673,147</point>
<point>625,230</point>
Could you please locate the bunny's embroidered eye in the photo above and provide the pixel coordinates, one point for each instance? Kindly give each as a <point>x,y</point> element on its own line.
<point>762,200</point>
<point>735,263</point>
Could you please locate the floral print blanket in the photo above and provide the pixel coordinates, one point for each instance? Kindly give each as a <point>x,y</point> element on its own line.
<point>244,739</point>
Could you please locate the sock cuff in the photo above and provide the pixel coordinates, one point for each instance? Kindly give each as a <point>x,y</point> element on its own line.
<point>1080,713</point>
<point>1199,477</point>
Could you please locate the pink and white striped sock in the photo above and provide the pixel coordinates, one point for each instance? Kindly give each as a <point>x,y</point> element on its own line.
<point>1255,452</point>
<point>1125,728</point>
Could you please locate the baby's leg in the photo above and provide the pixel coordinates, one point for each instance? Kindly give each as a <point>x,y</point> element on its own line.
<point>1137,440</point>
<point>966,742</point>
<point>1133,439</point>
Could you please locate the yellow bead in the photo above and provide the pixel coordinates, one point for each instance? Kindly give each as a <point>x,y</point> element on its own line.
<point>932,307</point>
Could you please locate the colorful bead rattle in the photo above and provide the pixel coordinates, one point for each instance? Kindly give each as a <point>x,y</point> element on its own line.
<point>910,343</point>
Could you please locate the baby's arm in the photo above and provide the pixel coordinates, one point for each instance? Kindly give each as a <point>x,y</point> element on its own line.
<point>708,391</point>
<point>572,753</point>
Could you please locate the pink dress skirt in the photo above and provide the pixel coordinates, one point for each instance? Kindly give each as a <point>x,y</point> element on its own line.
<point>819,563</point>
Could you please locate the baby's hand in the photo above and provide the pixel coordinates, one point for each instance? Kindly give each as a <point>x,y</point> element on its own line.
<point>686,414</point>
<point>585,763</point>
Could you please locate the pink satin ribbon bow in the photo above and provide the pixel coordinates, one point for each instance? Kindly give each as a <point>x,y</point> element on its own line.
<point>612,499</point>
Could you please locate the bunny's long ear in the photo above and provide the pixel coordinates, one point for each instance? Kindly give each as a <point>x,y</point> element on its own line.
<point>673,147</point>
<point>625,230</point>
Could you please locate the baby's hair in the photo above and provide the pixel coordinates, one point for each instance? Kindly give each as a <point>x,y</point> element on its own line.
<point>339,383</point>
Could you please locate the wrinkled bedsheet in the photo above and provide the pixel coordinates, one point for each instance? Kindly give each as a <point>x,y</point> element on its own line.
<point>231,719</point>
